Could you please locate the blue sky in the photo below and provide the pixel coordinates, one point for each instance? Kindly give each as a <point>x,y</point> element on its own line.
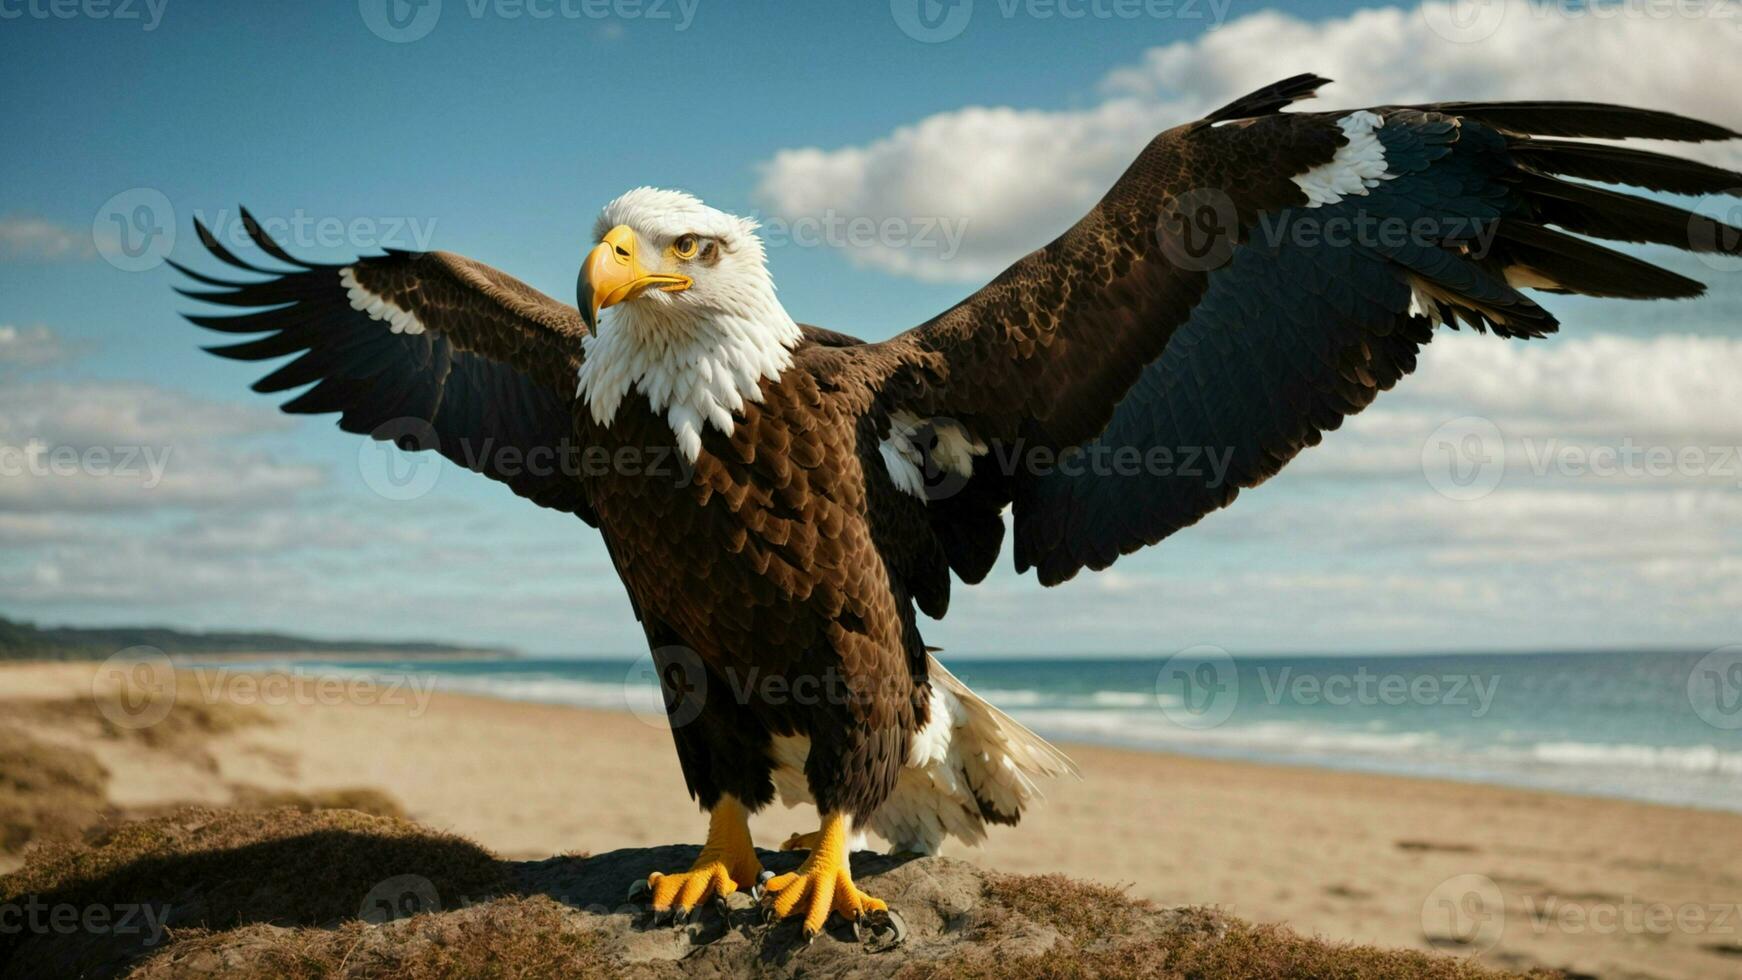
<point>499,134</point>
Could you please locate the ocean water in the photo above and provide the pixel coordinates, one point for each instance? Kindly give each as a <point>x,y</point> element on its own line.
<point>1658,726</point>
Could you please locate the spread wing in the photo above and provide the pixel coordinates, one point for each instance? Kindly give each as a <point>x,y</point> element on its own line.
<point>428,349</point>
<point>1251,280</point>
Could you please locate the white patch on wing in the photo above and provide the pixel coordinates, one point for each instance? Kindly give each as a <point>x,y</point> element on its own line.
<point>1423,304</point>
<point>903,469</point>
<point>968,755</point>
<point>905,459</point>
<point>378,308</point>
<point>1358,166</point>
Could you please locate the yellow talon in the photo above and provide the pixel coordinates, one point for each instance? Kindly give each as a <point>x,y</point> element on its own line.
<point>727,862</point>
<point>823,883</point>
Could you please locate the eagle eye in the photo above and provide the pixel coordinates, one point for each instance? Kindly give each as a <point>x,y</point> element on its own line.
<point>685,246</point>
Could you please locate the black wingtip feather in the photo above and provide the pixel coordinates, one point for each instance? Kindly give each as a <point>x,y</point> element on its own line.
<point>210,241</point>
<point>208,297</point>
<point>1271,98</point>
<point>265,243</point>
<point>228,324</point>
<point>1603,213</point>
<point>1624,165</point>
<point>1587,268</point>
<point>199,277</point>
<point>1593,120</point>
<point>260,349</point>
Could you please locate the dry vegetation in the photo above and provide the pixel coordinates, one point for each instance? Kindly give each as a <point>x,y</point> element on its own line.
<point>1104,933</point>
<point>53,790</point>
<point>510,937</point>
<point>226,869</point>
<point>186,721</point>
<point>45,790</point>
<point>276,893</point>
<point>361,799</point>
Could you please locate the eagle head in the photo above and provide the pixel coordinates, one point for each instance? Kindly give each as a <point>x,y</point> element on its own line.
<point>695,325</point>
<point>664,258</point>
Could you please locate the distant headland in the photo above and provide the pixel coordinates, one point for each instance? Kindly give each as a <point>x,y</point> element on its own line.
<point>20,640</point>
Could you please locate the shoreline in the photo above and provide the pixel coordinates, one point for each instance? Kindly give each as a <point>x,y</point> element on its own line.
<point>1345,855</point>
<point>1665,778</point>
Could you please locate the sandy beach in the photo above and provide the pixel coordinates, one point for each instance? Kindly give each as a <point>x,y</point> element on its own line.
<point>1596,887</point>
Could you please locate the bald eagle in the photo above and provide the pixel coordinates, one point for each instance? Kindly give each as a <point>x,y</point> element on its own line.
<point>782,502</point>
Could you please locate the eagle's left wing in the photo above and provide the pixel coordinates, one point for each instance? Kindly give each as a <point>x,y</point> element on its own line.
<point>430,350</point>
<point>1251,280</point>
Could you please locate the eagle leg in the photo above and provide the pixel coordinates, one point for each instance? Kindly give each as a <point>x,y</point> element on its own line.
<point>823,883</point>
<point>728,861</point>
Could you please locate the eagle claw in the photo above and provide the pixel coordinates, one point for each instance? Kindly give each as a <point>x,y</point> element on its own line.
<point>639,890</point>
<point>884,920</point>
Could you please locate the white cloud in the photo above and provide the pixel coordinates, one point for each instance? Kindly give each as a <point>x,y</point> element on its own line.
<point>44,478</point>
<point>280,531</point>
<point>31,530</point>
<point>1017,177</point>
<point>28,347</point>
<point>23,237</point>
<point>1580,525</point>
<point>95,446</point>
<point>333,566</point>
<point>1011,178</point>
<point>1679,385</point>
<point>87,413</point>
<point>1619,410</point>
<point>1389,567</point>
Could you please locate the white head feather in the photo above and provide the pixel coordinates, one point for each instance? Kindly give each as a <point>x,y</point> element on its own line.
<point>700,354</point>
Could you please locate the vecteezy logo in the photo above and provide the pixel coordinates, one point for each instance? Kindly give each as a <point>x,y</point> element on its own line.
<point>135,230</point>
<point>399,462</point>
<point>682,681</point>
<point>1466,913</point>
<point>1465,21</point>
<point>1465,458</point>
<point>1715,688</point>
<point>399,897</point>
<point>135,688</point>
<point>1712,231</point>
<point>1198,687</point>
<point>931,21</point>
<point>400,21</point>
<point>1197,230</point>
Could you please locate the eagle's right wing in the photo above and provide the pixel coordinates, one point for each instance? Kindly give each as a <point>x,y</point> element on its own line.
<point>430,350</point>
<point>1254,278</point>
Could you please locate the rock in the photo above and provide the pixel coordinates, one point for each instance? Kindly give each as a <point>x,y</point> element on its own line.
<point>946,905</point>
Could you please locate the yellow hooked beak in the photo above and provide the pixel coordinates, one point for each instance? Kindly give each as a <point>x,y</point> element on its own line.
<point>613,273</point>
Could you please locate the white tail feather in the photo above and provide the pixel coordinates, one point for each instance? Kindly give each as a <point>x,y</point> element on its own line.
<point>970,764</point>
